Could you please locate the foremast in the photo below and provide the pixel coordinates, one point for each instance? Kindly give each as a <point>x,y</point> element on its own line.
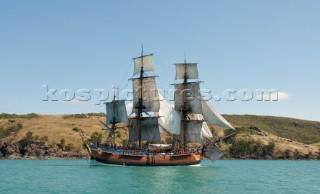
<point>140,107</point>
<point>144,122</point>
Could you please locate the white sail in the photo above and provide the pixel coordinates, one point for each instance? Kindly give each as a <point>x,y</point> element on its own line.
<point>145,61</point>
<point>116,110</point>
<point>189,70</point>
<point>189,93</point>
<point>169,118</point>
<point>150,94</point>
<point>212,117</point>
<point>205,130</point>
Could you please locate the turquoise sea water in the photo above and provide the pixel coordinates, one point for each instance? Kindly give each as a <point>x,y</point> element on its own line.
<point>78,176</point>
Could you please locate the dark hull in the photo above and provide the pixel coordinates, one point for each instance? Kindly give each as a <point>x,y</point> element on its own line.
<point>146,160</point>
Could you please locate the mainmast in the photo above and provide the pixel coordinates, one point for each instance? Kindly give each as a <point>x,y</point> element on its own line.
<point>184,109</point>
<point>187,102</point>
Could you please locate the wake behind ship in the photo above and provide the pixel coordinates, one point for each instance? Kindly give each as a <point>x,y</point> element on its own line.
<point>187,122</point>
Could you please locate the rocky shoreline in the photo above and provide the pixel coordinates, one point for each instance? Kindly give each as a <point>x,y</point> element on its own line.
<point>45,152</point>
<point>38,152</point>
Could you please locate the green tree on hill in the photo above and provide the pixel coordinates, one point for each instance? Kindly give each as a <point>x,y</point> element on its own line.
<point>96,138</point>
<point>10,130</point>
<point>76,129</point>
<point>251,149</point>
<point>287,154</point>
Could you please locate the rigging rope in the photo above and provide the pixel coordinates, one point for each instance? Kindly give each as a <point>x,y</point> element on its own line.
<point>125,78</point>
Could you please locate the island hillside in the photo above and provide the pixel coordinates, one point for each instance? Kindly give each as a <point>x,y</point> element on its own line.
<point>33,136</point>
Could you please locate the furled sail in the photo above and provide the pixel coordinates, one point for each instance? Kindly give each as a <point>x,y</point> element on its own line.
<point>169,118</point>
<point>116,110</point>
<point>149,130</point>
<point>189,93</point>
<point>145,61</point>
<point>150,94</point>
<point>212,117</point>
<point>189,70</point>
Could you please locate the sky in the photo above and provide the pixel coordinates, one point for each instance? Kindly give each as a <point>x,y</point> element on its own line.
<point>240,46</point>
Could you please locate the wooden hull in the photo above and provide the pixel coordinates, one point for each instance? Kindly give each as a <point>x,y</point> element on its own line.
<point>146,160</point>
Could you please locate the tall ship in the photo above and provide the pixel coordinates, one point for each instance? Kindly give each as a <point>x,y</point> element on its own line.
<point>187,122</point>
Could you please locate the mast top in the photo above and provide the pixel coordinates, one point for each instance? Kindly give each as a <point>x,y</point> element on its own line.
<point>115,90</point>
<point>141,49</point>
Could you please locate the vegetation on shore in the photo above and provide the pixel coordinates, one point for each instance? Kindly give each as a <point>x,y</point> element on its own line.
<point>303,131</point>
<point>58,136</point>
<point>14,116</point>
<point>35,147</point>
<point>254,143</point>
